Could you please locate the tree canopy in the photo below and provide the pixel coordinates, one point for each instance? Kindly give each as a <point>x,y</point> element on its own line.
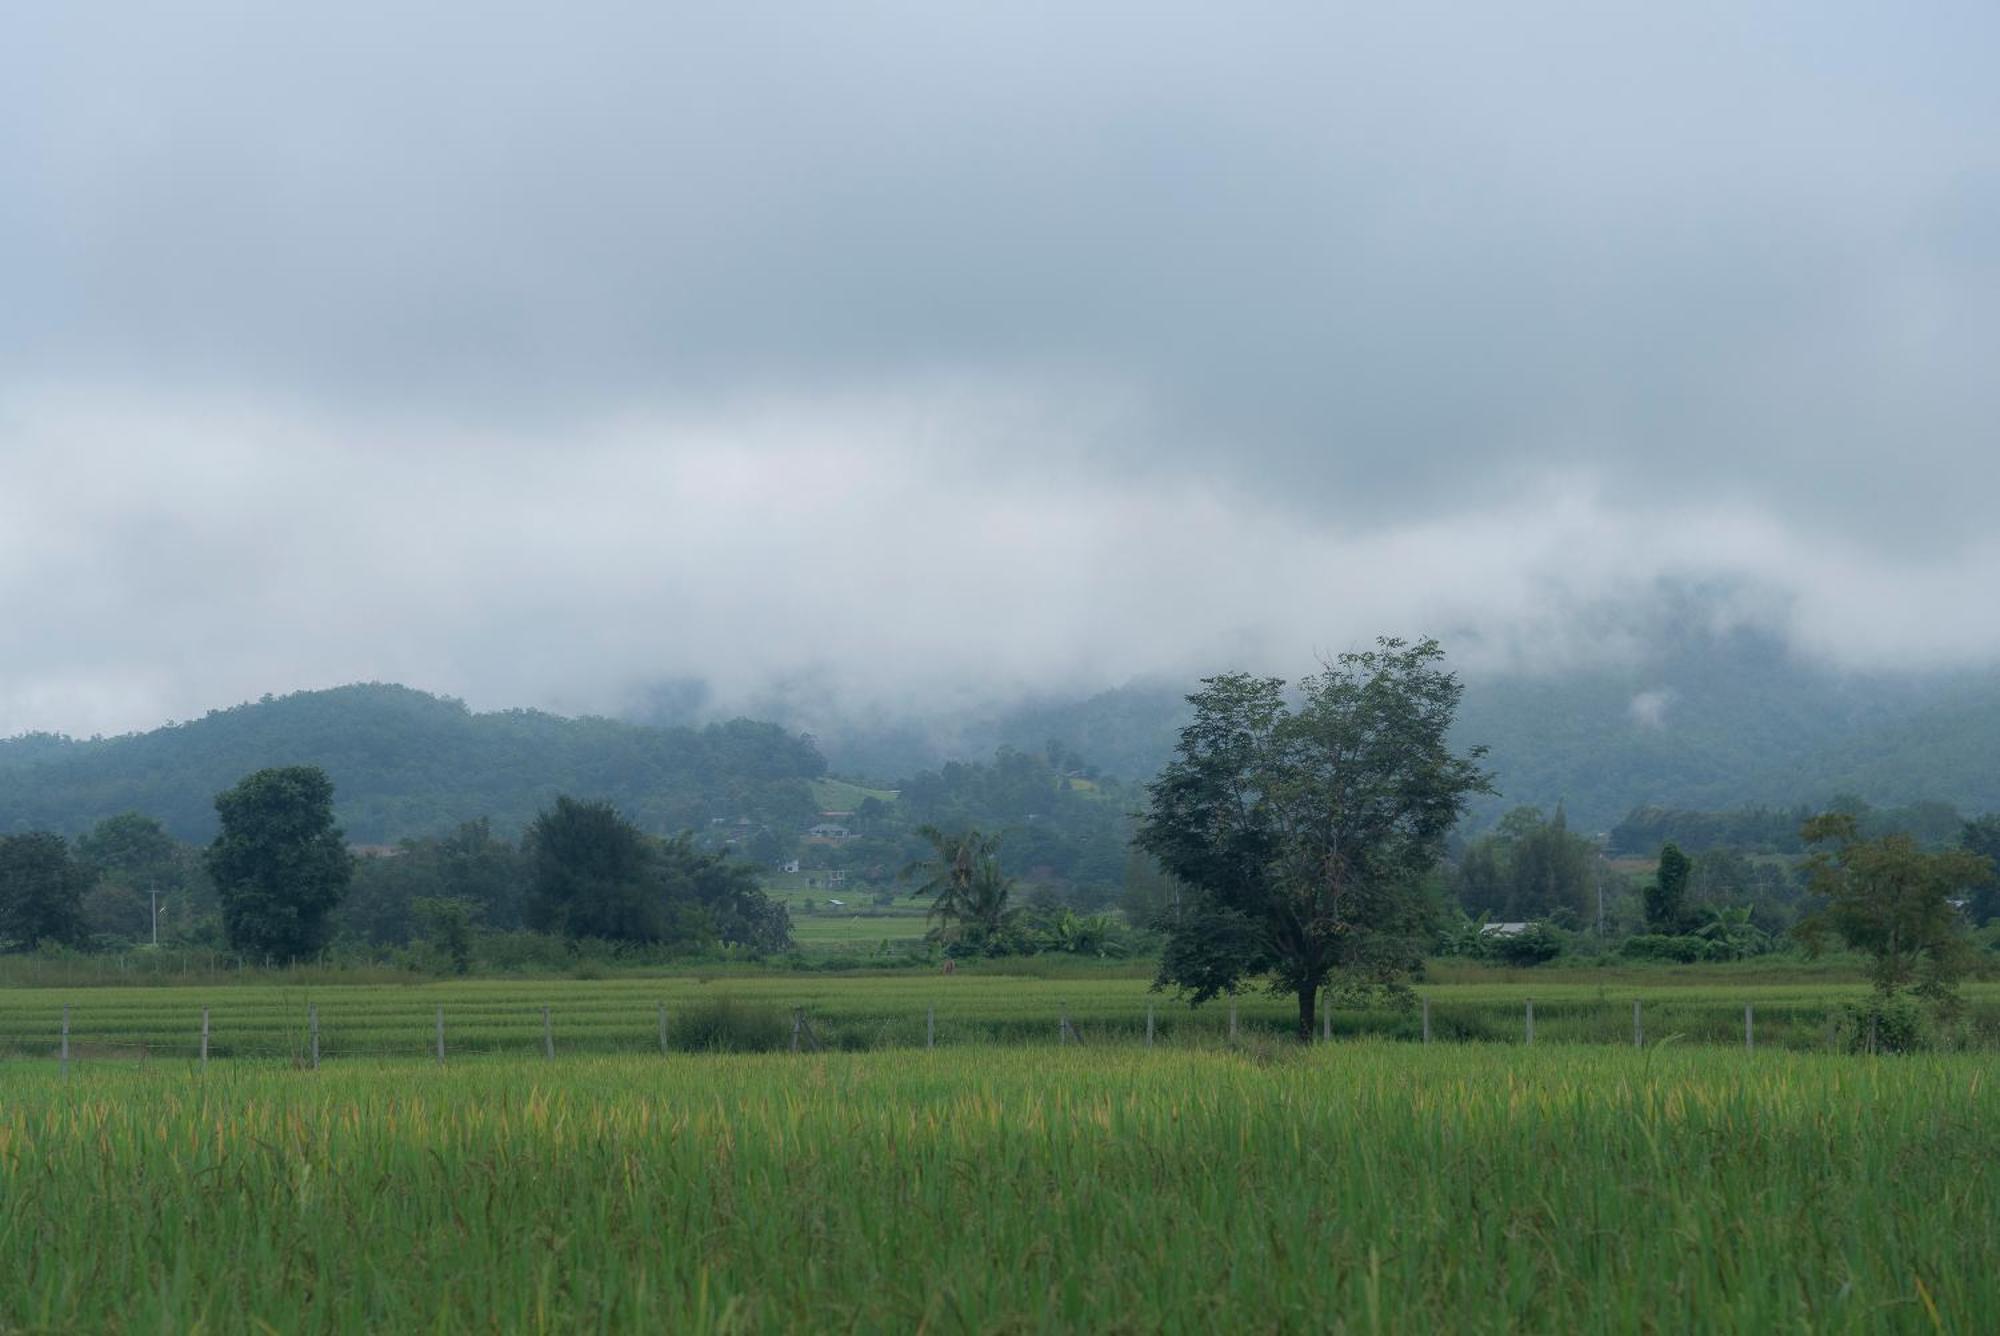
<point>1891,900</point>
<point>279,863</point>
<point>1304,832</point>
<point>595,874</point>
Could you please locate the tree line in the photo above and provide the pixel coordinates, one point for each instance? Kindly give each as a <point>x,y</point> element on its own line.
<point>273,883</point>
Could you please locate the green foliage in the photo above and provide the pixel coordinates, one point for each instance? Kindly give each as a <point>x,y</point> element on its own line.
<point>279,863</point>
<point>446,924</point>
<point>1889,899</point>
<point>1730,932</point>
<point>41,891</point>
<point>1304,833</point>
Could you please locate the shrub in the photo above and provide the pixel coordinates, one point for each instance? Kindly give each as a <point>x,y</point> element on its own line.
<point>724,1025</point>
<point>1901,1025</point>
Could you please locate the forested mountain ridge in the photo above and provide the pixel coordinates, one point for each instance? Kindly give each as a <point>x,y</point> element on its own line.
<point>405,762</point>
<point>1702,721</point>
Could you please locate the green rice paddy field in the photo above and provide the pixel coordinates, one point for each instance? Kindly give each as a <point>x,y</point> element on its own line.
<point>1362,1186</point>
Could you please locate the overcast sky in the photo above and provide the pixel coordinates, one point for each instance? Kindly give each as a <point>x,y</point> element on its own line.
<point>536,356</point>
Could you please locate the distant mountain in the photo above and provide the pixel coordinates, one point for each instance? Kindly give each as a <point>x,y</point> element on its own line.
<point>1708,721</point>
<point>1716,722</point>
<point>407,763</point>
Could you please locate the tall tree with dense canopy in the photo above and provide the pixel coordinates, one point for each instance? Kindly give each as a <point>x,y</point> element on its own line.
<point>1304,833</point>
<point>1666,897</point>
<point>279,863</point>
<point>1892,901</point>
<point>595,874</point>
<point>590,871</point>
<point>41,891</point>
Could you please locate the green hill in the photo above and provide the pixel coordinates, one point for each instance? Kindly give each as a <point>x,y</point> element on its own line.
<point>407,763</point>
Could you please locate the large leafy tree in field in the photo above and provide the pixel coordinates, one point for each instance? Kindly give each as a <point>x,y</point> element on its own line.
<point>279,863</point>
<point>1304,832</point>
<point>41,891</point>
<point>1892,901</point>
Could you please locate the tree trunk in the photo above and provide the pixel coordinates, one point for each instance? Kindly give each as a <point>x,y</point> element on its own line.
<point>1307,997</point>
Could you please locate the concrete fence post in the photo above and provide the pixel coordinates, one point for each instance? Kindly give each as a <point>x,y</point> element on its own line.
<point>796,1023</point>
<point>1062,1025</point>
<point>1149,1025</point>
<point>930,1027</point>
<point>1531,1020</point>
<point>440,1035</point>
<point>1326,1015</point>
<point>1232,1020</point>
<point>663,1029</point>
<point>65,1040</point>
<point>312,1031</point>
<point>1749,1029</point>
<point>548,1035</point>
<point>204,1038</point>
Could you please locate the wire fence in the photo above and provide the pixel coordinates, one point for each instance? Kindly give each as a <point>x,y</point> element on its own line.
<point>318,1032</point>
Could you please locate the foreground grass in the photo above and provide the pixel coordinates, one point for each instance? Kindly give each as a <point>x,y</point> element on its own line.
<point>1364,1186</point>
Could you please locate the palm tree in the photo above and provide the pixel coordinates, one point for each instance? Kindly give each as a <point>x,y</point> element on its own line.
<point>951,873</point>
<point>984,911</point>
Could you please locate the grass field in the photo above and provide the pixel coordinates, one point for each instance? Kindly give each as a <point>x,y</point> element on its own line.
<point>863,1011</point>
<point>1366,1187</point>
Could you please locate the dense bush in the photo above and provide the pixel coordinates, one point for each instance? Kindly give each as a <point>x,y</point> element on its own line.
<point>1537,945</point>
<point>725,1025</point>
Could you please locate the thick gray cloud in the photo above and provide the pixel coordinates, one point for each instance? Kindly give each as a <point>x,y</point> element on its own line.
<point>537,354</point>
